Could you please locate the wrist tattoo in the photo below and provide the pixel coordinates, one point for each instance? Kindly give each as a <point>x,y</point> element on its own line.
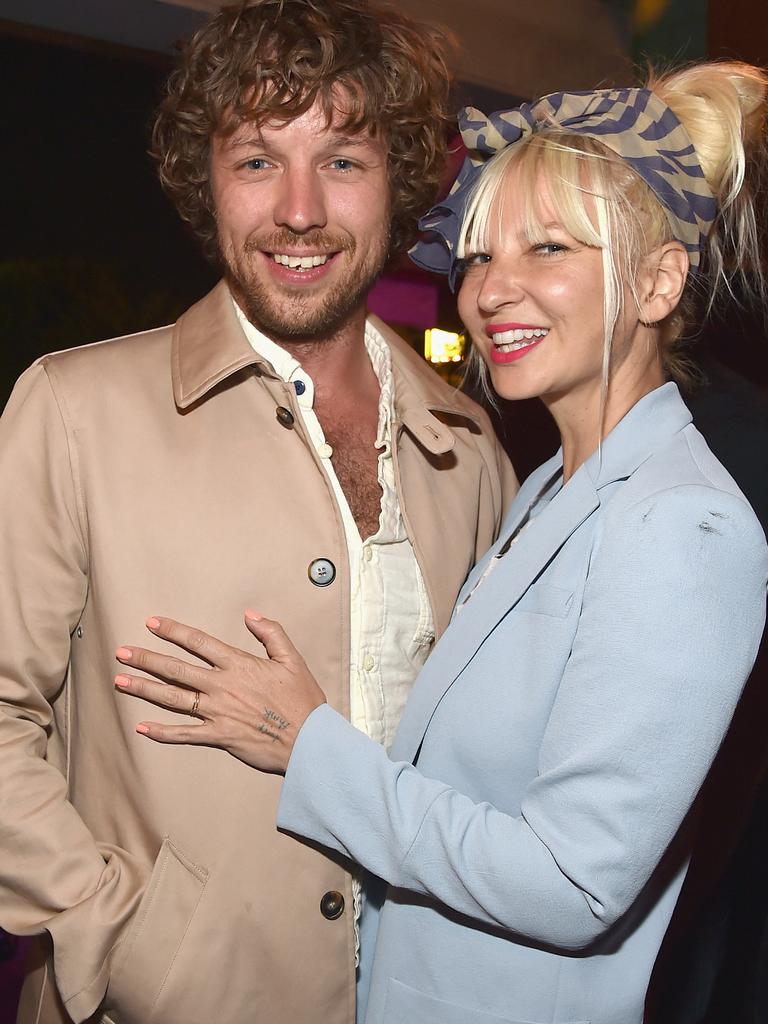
<point>277,720</point>
<point>267,731</point>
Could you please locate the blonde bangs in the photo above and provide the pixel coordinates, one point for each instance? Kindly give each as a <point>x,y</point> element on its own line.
<point>597,198</point>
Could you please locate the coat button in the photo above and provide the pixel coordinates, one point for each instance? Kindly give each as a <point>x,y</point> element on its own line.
<point>321,572</point>
<point>332,905</point>
<point>284,416</point>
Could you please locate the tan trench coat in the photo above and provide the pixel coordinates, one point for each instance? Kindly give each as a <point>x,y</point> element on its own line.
<point>129,490</point>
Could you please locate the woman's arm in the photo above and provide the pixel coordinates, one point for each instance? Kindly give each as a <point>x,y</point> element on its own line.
<point>672,615</point>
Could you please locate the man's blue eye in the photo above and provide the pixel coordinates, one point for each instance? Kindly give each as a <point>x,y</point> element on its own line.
<point>256,163</point>
<point>342,164</point>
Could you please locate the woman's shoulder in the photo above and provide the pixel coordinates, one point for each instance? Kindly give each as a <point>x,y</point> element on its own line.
<point>682,485</point>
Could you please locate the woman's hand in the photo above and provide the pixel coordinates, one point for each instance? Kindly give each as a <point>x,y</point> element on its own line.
<point>252,707</point>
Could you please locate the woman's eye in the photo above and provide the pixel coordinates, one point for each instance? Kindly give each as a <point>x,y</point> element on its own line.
<point>475,259</point>
<point>550,248</point>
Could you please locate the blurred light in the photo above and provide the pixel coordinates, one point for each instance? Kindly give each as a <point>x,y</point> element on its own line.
<point>648,13</point>
<point>443,346</point>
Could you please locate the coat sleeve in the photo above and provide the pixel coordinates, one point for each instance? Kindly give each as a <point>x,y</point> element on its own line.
<point>53,876</point>
<point>671,619</point>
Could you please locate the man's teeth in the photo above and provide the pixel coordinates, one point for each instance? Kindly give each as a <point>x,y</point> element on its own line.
<point>299,262</point>
<point>510,341</point>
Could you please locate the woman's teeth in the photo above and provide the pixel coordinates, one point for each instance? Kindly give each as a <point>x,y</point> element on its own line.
<point>510,341</point>
<point>299,262</point>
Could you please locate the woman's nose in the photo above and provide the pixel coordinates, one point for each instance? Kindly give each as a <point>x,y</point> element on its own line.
<point>501,285</point>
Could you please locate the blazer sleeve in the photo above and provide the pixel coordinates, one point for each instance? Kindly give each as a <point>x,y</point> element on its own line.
<point>671,619</point>
<point>53,875</point>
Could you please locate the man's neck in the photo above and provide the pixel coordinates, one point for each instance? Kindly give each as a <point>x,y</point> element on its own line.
<point>338,364</point>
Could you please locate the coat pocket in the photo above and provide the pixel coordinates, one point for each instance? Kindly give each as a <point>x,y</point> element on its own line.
<point>406,1005</point>
<point>145,959</point>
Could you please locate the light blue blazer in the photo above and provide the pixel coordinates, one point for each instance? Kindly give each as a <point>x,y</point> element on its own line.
<point>526,817</point>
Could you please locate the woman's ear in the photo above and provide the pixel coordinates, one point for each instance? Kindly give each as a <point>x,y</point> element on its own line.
<point>662,282</point>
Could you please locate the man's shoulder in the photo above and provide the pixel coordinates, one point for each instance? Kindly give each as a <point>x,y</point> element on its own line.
<point>124,354</point>
<point>434,390</point>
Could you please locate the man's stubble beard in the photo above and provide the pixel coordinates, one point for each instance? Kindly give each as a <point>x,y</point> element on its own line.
<point>287,315</point>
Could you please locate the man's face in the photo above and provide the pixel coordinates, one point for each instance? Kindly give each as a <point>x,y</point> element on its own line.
<point>303,213</point>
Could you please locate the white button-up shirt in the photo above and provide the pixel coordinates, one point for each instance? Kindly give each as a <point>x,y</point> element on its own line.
<point>391,626</point>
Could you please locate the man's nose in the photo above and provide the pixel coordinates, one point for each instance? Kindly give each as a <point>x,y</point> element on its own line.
<point>300,203</point>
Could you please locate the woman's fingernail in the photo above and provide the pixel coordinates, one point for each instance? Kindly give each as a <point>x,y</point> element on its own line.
<point>122,681</point>
<point>153,623</point>
<point>123,653</point>
<point>254,616</point>
<point>143,729</point>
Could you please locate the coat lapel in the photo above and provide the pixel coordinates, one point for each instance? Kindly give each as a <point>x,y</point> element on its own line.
<point>644,429</point>
<point>517,512</point>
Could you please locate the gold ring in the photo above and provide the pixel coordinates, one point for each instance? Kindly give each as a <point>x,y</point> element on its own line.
<point>195,703</point>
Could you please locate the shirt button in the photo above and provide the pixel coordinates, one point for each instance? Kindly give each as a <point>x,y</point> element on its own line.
<point>367,552</point>
<point>332,905</point>
<point>299,386</point>
<point>368,663</point>
<point>324,451</point>
<point>322,572</point>
<point>284,416</point>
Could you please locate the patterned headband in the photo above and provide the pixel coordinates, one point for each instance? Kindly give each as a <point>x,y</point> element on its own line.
<point>634,123</point>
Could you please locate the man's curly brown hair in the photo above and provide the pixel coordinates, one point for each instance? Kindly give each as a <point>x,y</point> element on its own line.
<point>264,60</point>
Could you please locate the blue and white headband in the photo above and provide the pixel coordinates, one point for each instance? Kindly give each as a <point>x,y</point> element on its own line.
<point>634,123</point>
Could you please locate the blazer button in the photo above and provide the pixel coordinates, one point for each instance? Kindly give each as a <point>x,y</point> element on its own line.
<point>332,905</point>
<point>321,572</point>
<point>284,416</point>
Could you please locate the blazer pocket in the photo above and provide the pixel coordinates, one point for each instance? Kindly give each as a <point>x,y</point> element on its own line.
<point>406,1005</point>
<point>144,960</point>
<point>546,599</point>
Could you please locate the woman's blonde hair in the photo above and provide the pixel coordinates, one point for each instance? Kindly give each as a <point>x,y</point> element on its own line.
<point>723,107</point>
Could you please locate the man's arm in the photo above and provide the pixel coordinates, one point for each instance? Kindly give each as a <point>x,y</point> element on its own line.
<point>53,876</point>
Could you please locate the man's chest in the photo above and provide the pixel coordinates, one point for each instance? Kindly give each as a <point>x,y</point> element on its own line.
<point>355,461</point>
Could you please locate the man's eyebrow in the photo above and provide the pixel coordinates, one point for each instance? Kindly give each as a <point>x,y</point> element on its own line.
<point>336,141</point>
<point>349,140</point>
<point>240,141</point>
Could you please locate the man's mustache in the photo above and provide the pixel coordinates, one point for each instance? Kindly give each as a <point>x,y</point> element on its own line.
<point>316,241</point>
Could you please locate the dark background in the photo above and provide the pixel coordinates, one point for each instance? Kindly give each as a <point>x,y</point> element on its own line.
<point>90,249</point>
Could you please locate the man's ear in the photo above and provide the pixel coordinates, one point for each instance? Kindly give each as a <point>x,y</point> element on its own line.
<point>662,282</point>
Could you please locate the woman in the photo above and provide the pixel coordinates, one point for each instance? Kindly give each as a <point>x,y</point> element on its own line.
<point>528,818</point>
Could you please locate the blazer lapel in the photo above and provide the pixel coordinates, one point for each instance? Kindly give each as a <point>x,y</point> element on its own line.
<point>499,593</point>
<point>645,428</point>
<point>517,512</point>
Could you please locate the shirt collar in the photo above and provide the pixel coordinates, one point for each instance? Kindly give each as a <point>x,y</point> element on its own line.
<point>291,371</point>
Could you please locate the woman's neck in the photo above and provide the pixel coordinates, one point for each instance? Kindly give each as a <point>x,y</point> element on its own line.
<point>585,420</point>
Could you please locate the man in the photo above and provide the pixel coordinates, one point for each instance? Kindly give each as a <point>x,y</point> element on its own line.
<point>272,449</point>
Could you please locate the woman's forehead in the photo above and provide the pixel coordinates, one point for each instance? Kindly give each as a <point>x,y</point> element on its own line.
<point>525,198</point>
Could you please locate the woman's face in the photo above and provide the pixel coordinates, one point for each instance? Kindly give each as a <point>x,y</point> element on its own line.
<point>535,312</point>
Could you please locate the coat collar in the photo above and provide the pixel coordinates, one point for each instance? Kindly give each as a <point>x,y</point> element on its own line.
<point>645,428</point>
<point>209,345</point>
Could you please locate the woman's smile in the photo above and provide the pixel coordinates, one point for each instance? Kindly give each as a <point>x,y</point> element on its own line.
<point>513,341</point>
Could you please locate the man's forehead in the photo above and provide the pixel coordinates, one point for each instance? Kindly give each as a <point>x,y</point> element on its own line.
<point>335,113</point>
<point>313,122</point>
